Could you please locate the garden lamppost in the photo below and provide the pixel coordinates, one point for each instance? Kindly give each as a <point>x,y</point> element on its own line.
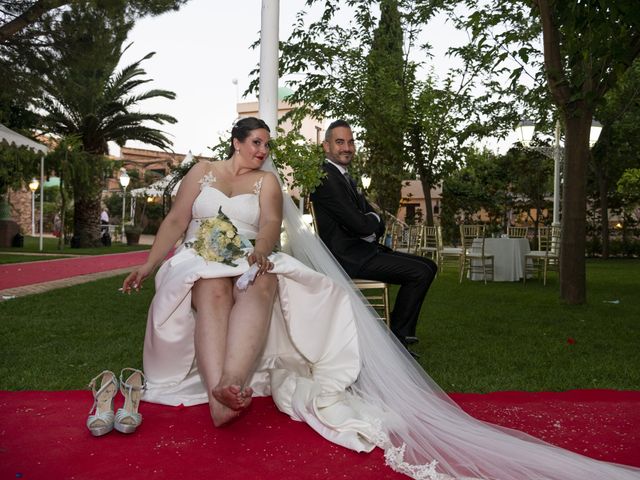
<point>526,130</point>
<point>33,186</point>
<point>124,181</point>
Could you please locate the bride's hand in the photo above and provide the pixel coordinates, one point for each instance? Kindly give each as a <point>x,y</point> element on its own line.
<point>262,260</point>
<point>134,279</point>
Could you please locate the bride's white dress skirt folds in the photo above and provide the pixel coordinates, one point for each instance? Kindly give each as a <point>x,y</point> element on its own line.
<point>329,361</point>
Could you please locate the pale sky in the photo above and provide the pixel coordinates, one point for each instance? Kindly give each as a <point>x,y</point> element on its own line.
<point>200,50</point>
<point>203,48</point>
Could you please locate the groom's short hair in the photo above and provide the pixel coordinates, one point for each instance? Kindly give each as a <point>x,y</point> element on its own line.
<point>335,124</point>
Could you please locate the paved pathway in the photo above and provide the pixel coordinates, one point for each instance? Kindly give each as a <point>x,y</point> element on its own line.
<point>9,293</point>
<point>19,279</point>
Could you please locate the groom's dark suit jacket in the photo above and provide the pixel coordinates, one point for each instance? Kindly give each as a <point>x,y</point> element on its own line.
<point>341,215</point>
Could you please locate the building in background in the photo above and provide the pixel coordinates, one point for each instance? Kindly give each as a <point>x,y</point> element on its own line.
<point>412,208</point>
<point>151,165</point>
<point>311,129</point>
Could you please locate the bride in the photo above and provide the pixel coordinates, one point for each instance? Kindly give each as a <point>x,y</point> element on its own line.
<point>234,318</point>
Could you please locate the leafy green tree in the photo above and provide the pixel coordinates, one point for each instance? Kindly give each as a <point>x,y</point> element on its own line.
<point>17,166</point>
<point>384,106</point>
<point>86,97</point>
<point>25,48</point>
<point>586,47</point>
<point>436,133</point>
<point>20,58</point>
<point>618,147</point>
<point>298,161</point>
<point>65,154</point>
<point>629,189</point>
<point>363,71</point>
<point>20,14</point>
<point>629,186</point>
<point>530,176</point>
<point>328,60</point>
<point>481,185</point>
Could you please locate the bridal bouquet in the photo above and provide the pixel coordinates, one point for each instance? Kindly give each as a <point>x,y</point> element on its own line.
<point>218,240</point>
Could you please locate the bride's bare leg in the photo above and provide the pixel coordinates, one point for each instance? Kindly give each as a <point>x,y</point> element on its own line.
<point>212,299</point>
<point>247,332</point>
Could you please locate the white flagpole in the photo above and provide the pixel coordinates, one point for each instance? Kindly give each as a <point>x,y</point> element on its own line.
<point>268,94</point>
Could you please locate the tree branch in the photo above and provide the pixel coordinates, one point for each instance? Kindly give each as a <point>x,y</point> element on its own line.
<point>31,15</point>
<point>552,58</point>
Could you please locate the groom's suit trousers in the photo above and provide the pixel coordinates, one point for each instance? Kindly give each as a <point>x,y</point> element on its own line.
<point>414,274</point>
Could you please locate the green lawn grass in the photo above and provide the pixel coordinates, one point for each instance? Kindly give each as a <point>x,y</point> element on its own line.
<point>50,245</point>
<point>508,336</point>
<point>13,258</point>
<point>474,337</point>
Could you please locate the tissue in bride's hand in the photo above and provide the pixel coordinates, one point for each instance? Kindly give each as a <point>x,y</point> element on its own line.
<point>247,277</point>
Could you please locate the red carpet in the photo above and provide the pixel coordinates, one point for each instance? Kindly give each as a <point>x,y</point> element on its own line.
<point>42,436</point>
<point>21,274</point>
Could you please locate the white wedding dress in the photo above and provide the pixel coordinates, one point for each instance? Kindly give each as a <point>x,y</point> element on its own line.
<point>311,354</point>
<point>328,361</point>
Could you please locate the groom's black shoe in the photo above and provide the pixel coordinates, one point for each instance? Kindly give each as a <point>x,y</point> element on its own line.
<point>411,352</point>
<point>415,355</point>
<point>406,341</point>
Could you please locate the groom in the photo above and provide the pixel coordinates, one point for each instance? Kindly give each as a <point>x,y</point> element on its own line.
<point>350,228</point>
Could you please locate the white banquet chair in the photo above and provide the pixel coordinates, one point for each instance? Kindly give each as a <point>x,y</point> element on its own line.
<point>475,260</point>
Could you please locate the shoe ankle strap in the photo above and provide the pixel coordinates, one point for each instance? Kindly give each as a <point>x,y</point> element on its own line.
<point>101,375</point>
<point>126,386</point>
<point>103,385</point>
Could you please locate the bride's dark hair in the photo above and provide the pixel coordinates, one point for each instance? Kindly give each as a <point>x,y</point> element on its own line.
<point>243,128</point>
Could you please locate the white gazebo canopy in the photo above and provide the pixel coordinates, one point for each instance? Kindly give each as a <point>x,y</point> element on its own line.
<point>18,140</point>
<point>14,138</point>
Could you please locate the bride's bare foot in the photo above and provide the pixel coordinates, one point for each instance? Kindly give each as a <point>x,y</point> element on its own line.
<point>233,396</point>
<point>221,414</point>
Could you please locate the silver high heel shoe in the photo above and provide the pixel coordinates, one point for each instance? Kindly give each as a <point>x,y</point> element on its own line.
<point>101,419</point>
<point>127,418</point>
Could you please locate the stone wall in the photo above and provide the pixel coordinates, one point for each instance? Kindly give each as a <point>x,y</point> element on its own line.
<point>20,202</point>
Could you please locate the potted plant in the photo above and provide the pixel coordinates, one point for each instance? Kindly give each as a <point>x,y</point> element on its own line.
<point>132,232</point>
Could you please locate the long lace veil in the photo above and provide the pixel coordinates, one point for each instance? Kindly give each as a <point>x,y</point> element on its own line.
<point>422,423</point>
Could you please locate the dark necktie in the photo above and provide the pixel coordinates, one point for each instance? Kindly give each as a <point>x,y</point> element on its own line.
<point>354,188</point>
<point>352,182</point>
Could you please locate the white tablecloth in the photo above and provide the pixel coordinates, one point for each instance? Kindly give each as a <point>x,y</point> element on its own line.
<point>508,257</point>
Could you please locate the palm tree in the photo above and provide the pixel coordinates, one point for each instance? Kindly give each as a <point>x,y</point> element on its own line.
<point>86,97</point>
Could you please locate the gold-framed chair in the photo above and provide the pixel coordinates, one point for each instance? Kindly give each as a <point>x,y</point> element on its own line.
<point>517,232</point>
<point>447,254</point>
<point>413,233</point>
<point>376,293</point>
<point>428,242</point>
<point>402,237</point>
<point>474,258</point>
<point>547,257</point>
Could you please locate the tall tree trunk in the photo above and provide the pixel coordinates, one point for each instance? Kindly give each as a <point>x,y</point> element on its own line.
<point>86,222</point>
<point>426,187</point>
<point>573,288</point>
<point>63,211</point>
<point>425,181</point>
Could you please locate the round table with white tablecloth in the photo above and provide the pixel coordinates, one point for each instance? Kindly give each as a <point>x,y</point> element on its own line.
<point>508,261</point>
